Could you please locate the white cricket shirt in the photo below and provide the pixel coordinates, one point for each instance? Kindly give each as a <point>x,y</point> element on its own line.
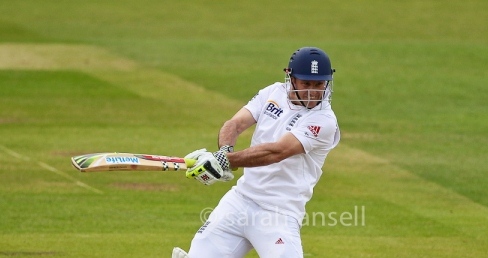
<point>285,187</point>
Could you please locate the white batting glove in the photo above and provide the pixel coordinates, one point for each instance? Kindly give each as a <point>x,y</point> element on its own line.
<point>195,154</point>
<point>210,167</point>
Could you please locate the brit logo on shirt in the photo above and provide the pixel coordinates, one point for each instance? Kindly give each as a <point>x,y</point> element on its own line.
<point>273,110</point>
<point>314,130</point>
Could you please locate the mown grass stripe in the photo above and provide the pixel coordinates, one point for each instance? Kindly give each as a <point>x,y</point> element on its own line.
<point>49,168</point>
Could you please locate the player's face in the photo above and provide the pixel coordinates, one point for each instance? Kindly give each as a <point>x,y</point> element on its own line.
<point>310,93</point>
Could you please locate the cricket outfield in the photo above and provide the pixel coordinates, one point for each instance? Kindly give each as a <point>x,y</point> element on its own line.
<point>408,179</point>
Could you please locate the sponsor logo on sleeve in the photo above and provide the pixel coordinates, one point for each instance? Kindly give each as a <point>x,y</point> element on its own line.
<point>314,130</point>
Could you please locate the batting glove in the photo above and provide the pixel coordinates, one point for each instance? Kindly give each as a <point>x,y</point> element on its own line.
<point>210,167</point>
<point>221,157</point>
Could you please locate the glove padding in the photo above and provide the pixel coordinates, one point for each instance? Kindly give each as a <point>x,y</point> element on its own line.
<point>210,167</point>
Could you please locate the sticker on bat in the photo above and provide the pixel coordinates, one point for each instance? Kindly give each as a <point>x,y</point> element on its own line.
<point>122,160</point>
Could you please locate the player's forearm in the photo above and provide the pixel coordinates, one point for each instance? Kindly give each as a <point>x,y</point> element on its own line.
<point>260,155</point>
<point>228,133</point>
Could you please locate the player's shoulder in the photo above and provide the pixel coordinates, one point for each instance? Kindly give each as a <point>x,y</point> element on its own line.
<point>275,86</point>
<point>270,89</point>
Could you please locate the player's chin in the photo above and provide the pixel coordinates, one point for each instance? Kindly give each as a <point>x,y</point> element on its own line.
<point>313,103</point>
<point>312,106</point>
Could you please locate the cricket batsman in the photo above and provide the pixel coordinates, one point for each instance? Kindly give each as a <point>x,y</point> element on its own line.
<point>295,130</point>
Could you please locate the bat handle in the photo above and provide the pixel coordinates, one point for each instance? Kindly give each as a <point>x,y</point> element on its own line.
<point>190,162</point>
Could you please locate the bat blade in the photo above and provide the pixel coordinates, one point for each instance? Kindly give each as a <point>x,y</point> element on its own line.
<point>98,162</point>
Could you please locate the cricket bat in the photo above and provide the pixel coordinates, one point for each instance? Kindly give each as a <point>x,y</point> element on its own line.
<point>113,161</point>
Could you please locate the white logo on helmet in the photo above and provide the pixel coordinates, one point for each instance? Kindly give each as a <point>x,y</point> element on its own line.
<point>315,67</point>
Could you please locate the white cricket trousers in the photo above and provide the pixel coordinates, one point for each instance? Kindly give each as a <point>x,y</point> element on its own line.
<point>238,224</point>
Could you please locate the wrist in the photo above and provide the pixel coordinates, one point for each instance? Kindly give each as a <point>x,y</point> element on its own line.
<point>227,148</point>
<point>221,156</point>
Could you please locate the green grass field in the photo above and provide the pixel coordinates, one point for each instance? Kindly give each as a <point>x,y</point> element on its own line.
<point>161,77</point>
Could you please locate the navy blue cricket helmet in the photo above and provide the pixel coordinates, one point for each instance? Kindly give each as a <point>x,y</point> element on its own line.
<point>310,63</point>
